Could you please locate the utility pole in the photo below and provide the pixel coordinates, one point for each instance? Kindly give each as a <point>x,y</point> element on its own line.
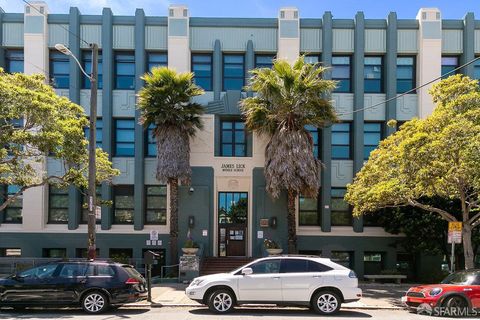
<point>92,166</point>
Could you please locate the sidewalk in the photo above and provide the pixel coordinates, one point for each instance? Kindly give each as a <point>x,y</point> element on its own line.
<point>375,296</point>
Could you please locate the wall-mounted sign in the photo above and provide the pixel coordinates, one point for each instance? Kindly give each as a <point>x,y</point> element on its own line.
<point>154,235</point>
<point>264,223</point>
<point>259,234</point>
<point>233,167</point>
<point>204,232</point>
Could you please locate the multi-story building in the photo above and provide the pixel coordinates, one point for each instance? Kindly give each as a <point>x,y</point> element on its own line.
<point>226,207</point>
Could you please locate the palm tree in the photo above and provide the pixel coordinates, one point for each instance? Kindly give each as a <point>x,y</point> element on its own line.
<point>165,102</point>
<point>289,97</point>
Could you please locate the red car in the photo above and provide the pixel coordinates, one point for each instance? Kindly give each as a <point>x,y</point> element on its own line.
<point>459,290</point>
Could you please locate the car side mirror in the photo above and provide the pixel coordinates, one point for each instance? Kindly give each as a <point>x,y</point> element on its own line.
<point>247,271</point>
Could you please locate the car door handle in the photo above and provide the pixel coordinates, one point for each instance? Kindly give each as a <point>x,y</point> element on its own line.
<point>317,277</point>
<point>467,289</point>
<point>276,278</point>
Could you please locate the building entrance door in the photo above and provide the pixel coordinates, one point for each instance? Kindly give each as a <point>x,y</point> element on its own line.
<point>232,223</point>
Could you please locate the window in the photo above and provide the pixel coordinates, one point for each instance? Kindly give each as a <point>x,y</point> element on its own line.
<point>341,72</point>
<point>344,258</point>
<point>372,134</point>
<point>373,75</point>
<point>156,60</point>
<point>233,140</point>
<point>293,266</point>
<point>232,207</point>
<point>151,142</point>
<point>83,253</point>
<point>308,212</point>
<point>84,218</point>
<point>476,70</point>
<point>55,253</point>
<point>264,61</point>
<point>312,59</point>
<point>341,137</point>
<point>202,69</point>
<point>121,255</point>
<point>125,71</point>
<point>14,61</point>
<point>59,70</point>
<point>123,204</point>
<point>373,262</point>
<point>314,132</point>
<point>87,66</point>
<point>449,64</point>
<point>156,212</point>
<point>124,137</point>
<point>233,72</point>
<point>108,271</point>
<point>13,213</point>
<point>405,74</point>
<point>266,266</point>
<point>341,213</point>
<point>57,205</point>
<point>73,270</point>
<point>41,272</point>
<point>98,133</point>
<point>10,252</point>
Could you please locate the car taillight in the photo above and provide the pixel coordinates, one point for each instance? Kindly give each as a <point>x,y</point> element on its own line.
<point>132,281</point>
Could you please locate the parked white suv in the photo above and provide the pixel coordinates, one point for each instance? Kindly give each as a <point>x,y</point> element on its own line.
<point>282,280</point>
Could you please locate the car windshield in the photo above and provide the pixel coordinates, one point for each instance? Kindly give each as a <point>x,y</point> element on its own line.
<point>462,277</point>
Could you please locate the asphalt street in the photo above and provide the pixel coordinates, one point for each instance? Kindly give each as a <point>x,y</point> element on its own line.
<point>168,313</point>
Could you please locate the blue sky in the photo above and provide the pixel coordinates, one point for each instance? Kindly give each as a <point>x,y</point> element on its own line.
<point>375,9</point>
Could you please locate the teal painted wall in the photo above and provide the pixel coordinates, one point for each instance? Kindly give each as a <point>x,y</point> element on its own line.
<point>265,207</point>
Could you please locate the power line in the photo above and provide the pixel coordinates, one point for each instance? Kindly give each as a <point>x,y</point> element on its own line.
<point>411,90</point>
<point>60,25</point>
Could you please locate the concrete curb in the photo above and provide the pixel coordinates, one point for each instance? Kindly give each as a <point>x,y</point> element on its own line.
<point>186,305</point>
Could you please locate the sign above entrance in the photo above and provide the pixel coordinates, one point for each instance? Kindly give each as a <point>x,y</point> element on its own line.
<point>233,167</point>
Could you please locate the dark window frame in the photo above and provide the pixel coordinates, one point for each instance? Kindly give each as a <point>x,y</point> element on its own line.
<point>150,64</point>
<point>233,143</point>
<point>332,211</point>
<point>448,65</point>
<point>242,55</point>
<point>59,194</point>
<point>314,54</point>
<point>163,210</point>
<point>149,140</point>
<point>117,190</point>
<point>87,58</point>
<point>350,76</point>
<point>55,56</point>
<point>115,128</point>
<point>116,60</point>
<point>264,65</point>
<point>12,206</point>
<point>382,73</point>
<point>317,211</point>
<point>350,142</point>
<point>98,142</point>
<point>414,74</point>
<point>9,58</point>
<point>192,63</point>
<point>381,130</point>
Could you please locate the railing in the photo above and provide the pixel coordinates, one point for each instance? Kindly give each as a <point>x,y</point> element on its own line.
<point>172,271</point>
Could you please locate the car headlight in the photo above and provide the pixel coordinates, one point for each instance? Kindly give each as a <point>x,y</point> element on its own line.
<point>435,292</point>
<point>196,282</point>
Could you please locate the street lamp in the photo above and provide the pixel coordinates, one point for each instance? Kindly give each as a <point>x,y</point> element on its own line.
<point>92,192</point>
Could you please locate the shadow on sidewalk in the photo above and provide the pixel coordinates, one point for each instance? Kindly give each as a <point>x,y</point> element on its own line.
<point>275,312</point>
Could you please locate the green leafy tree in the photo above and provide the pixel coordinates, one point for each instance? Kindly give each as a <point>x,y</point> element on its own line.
<point>165,102</point>
<point>289,97</point>
<point>434,157</point>
<point>36,122</point>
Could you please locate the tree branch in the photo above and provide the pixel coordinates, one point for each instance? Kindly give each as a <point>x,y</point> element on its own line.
<point>445,215</point>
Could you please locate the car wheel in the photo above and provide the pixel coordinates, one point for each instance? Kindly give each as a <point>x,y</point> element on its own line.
<point>456,303</point>
<point>94,302</point>
<point>221,301</point>
<point>326,302</point>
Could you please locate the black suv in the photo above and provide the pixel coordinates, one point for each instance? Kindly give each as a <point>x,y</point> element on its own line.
<point>94,285</point>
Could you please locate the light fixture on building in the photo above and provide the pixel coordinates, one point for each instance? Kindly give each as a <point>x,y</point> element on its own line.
<point>191,221</point>
<point>273,222</point>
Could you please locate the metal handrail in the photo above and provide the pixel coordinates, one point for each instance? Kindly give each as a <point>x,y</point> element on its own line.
<point>164,267</point>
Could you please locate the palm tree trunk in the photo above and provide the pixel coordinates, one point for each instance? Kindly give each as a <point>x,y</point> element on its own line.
<point>173,183</point>
<point>292,228</point>
<point>467,246</point>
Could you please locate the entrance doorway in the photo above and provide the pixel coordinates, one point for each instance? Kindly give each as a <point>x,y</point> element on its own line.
<point>232,223</point>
